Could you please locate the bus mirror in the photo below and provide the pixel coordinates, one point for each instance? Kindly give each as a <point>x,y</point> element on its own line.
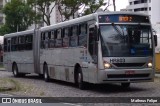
<point>155,40</point>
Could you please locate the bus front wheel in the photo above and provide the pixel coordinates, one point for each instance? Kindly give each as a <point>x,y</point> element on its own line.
<point>125,85</point>
<point>45,71</point>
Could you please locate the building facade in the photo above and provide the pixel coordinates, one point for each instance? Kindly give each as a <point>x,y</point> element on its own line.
<point>143,6</point>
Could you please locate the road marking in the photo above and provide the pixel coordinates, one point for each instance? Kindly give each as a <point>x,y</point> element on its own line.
<point>6,95</point>
<point>72,104</point>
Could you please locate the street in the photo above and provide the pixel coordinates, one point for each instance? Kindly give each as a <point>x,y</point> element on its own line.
<point>34,86</point>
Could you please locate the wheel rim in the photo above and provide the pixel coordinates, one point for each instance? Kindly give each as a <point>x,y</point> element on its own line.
<point>45,75</point>
<point>15,71</point>
<point>79,78</point>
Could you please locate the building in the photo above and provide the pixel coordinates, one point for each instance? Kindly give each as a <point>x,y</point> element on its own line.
<point>143,6</point>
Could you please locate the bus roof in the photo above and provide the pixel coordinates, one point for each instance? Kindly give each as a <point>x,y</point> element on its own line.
<point>19,33</point>
<point>85,18</point>
<point>72,22</point>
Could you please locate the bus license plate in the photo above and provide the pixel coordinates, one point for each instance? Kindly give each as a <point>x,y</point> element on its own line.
<point>129,72</point>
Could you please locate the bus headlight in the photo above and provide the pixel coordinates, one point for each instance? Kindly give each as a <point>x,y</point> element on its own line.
<point>107,65</point>
<point>149,65</point>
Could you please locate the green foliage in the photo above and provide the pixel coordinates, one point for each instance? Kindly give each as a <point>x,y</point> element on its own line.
<point>4,29</point>
<point>68,8</point>
<point>93,6</point>
<point>18,17</point>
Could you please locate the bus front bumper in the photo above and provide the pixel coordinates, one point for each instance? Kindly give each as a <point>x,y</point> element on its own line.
<point>125,75</point>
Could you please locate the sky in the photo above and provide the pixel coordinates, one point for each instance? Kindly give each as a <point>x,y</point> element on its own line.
<point>120,4</point>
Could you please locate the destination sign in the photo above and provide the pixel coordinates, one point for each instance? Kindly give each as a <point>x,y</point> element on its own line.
<point>123,18</point>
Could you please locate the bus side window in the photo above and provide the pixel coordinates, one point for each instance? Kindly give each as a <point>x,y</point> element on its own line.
<point>28,40</point>
<point>66,37</point>
<point>59,38</point>
<point>74,36</point>
<point>14,44</point>
<point>5,44</point>
<point>83,35</point>
<point>8,45</point>
<point>52,41</point>
<point>49,38</point>
<point>42,40</point>
<point>55,38</point>
<point>46,41</point>
<point>21,42</point>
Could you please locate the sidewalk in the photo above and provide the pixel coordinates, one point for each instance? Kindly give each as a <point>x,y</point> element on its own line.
<point>2,69</point>
<point>157,75</point>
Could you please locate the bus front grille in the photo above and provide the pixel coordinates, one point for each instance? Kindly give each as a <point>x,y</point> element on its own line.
<point>129,64</point>
<point>128,76</point>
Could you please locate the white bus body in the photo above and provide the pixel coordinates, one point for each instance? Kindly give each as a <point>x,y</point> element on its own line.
<point>98,48</point>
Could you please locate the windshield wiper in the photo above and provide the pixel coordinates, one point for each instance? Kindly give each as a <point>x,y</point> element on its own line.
<point>117,30</point>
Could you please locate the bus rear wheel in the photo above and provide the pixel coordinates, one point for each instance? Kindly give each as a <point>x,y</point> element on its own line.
<point>16,73</point>
<point>125,85</point>
<point>45,71</point>
<point>81,84</point>
<point>15,70</point>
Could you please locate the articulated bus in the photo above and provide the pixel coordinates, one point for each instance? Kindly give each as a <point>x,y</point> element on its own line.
<point>100,48</point>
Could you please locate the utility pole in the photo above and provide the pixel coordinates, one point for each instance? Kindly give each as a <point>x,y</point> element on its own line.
<point>114,5</point>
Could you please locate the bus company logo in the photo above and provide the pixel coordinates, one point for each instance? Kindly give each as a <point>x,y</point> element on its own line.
<point>6,100</point>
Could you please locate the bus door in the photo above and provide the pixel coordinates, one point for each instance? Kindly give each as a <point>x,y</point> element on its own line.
<point>9,64</point>
<point>93,53</point>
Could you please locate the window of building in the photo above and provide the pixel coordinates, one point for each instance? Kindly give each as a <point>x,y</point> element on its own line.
<point>136,2</point>
<point>130,3</point>
<point>143,1</point>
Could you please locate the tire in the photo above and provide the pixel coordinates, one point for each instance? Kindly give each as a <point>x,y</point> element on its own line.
<point>46,75</point>
<point>125,85</point>
<point>40,75</point>
<point>15,70</point>
<point>81,85</point>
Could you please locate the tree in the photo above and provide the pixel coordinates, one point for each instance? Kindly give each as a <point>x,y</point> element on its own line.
<point>93,5</point>
<point>18,16</point>
<point>68,8</point>
<point>114,5</point>
<point>44,7</point>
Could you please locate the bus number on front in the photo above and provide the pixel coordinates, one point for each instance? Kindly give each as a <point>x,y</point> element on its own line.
<point>118,60</point>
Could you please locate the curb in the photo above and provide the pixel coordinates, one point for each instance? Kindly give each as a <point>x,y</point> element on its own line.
<point>157,75</point>
<point>2,69</point>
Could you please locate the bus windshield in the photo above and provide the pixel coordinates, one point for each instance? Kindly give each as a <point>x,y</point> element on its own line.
<point>126,40</point>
